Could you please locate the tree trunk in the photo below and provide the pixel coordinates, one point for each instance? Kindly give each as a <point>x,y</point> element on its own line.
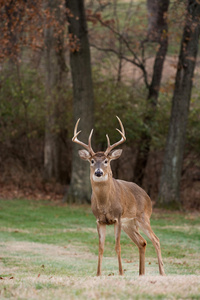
<point>55,68</point>
<point>169,195</point>
<point>157,32</point>
<point>80,189</point>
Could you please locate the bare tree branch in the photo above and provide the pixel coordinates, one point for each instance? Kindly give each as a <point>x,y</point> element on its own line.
<point>118,54</point>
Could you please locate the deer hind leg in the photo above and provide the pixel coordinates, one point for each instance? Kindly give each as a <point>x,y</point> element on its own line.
<point>146,228</point>
<point>132,231</point>
<point>101,228</point>
<point>118,246</point>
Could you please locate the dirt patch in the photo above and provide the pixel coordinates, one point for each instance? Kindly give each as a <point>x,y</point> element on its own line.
<point>7,229</point>
<point>46,250</point>
<point>17,230</point>
<point>184,228</point>
<point>130,72</point>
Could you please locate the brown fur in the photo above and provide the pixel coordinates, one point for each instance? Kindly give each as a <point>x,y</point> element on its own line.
<point>118,202</point>
<point>112,202</point>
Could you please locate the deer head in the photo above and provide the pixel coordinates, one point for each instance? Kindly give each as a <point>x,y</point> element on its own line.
<point>99,161</point>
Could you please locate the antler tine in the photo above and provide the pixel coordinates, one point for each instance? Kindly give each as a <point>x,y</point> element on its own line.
<point>108,140</point>
<point>76,126</point>
<point>89,143</point>
<point>76,140</point>
<point>122,127</point>
<point>122,140</point>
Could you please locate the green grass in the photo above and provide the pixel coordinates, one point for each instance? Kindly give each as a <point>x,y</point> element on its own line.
<point>49,251</point>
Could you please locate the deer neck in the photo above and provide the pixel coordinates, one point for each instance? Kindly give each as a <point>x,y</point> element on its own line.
<point>102,190</point>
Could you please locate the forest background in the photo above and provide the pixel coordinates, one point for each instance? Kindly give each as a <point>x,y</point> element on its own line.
<point>61,60</point>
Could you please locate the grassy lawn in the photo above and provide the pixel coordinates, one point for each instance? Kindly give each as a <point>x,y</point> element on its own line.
<point>49,251</point>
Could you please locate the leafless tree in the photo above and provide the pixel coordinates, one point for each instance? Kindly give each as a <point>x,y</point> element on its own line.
<point>172,165</point>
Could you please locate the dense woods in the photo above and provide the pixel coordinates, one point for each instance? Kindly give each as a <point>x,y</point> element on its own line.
<point>64,60</point>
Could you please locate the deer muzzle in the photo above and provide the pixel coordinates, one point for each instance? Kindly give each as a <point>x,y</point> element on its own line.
<point>98,172</point>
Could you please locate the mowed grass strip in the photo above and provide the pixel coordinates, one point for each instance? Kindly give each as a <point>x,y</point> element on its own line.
<point>49,251</point>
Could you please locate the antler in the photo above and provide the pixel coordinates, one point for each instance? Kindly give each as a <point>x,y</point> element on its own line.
<point>122,132</point>
<point>75,139</point>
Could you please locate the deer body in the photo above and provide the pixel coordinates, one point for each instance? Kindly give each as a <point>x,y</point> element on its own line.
<point>120,203</point>
<point>119,199</point>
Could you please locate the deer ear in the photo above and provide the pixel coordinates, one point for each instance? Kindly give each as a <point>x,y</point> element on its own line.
<point>84,154</point>
<point>115,154</point>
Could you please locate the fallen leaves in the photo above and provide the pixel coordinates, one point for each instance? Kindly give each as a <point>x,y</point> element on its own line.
<point>128,261</point>
<point>2,278</point>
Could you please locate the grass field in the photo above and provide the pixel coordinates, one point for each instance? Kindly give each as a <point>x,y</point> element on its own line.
<point>49,251</point>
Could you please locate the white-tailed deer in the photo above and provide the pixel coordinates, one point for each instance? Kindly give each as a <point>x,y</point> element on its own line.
<point>118,202</point>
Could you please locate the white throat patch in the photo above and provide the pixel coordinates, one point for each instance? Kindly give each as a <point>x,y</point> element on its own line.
<point>100,179</point>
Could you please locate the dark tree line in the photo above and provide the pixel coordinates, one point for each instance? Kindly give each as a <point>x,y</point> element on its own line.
<point>158,32</point>
<point>42,25</point>
<point>169,194</point>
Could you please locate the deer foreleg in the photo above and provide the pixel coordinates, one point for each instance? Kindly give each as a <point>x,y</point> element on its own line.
<point>101,228</point>
<point>117,245</point>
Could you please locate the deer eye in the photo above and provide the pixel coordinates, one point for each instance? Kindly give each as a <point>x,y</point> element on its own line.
<point>92,161</point>
<point>106,161</point>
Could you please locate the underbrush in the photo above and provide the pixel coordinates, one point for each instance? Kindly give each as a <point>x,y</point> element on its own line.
<point>22,133</point>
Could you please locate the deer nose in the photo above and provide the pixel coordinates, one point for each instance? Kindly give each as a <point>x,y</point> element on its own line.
<point>98,173</point>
